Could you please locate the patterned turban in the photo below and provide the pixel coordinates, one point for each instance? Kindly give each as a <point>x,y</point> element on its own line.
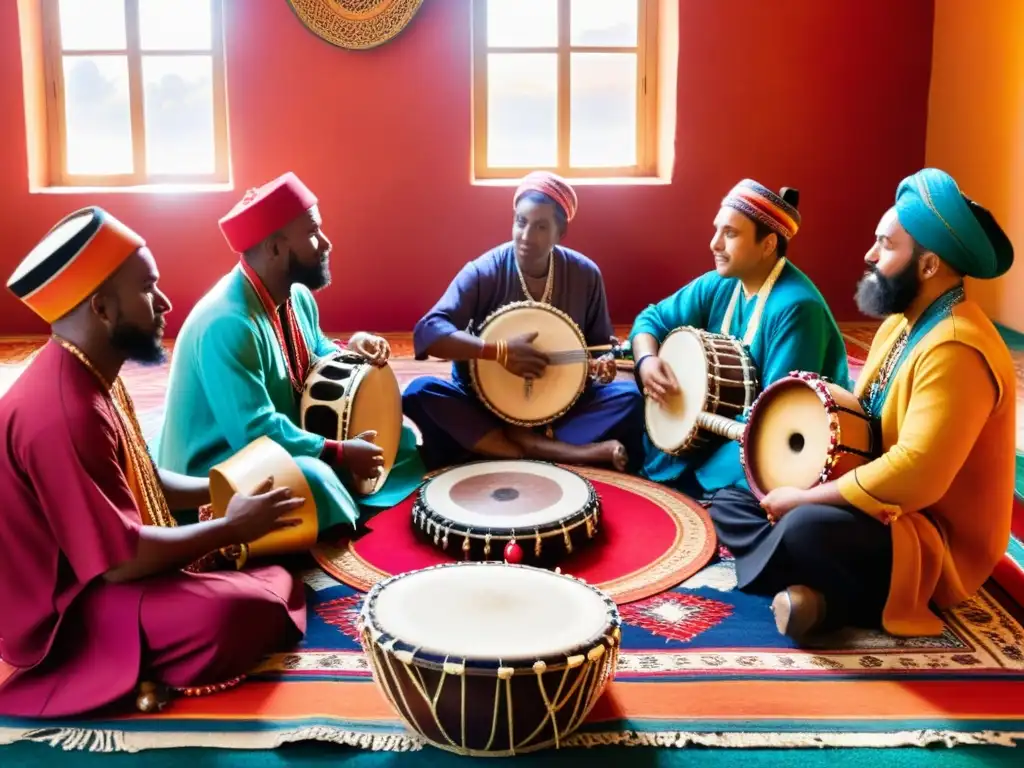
<point>74,259</point>
<point>553,186</point>
<point>764,206</point>
<point>931,207</point>
<point>265,210</point>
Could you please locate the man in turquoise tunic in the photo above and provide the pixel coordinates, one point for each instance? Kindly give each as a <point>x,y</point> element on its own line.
<point>754,294</point>
<point>241,360</point>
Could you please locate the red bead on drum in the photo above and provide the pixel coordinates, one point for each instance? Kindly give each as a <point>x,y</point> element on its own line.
<point>513,553</point>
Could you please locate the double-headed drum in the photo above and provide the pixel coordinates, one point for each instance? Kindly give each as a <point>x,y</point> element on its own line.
<point>490,659</point>
<point>475,510</point>
<point>539,401</point>
<point>716,375</point>
<point>344,396</point>
<point>803,431</point>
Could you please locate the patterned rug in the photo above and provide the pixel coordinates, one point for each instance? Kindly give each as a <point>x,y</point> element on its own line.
<point>702,664</point>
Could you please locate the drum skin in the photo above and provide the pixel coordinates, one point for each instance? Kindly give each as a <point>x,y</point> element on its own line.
<point>555,392</point>
<point>803,431</point>
<point>715,373</point>
<point>473,511</point>
<point>344,395</point>
<point>483,705</point>
<point>244,471</point>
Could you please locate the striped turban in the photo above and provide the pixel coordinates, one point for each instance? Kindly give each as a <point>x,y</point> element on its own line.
<point>72,261</point>
<point>555,187</point>
<point>764,206</point>
<point>931,207</point>
<point>263,211</point>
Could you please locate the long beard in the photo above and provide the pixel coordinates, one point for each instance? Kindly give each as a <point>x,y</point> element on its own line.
<point>138,345</point>
<point>879,296</point>
<point>313,277</point>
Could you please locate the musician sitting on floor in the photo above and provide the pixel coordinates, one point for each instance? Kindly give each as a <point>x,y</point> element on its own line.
<point>755,294</point>
<point>92,596</point>
<point>244,352</point>
<point>924,524</point>
<point>602,426</point>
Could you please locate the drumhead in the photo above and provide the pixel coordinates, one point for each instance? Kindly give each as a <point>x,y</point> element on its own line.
<point>490,611</point>
<point>669,425</point>
<point>552,393</point>
<point>506,495</point>
<point>378,406</point>
<point>789,438</point>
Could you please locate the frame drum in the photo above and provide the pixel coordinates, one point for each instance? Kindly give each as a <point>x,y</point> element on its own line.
<point>717,378</point>
<point>490,659</point>
<point>345,395</point>
<point>242,473</point>
<point>475,510</point>
<point>512,398</point>
<point>802,431</point>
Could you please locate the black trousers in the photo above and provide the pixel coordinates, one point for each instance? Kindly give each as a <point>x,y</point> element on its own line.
<point>841,552</point>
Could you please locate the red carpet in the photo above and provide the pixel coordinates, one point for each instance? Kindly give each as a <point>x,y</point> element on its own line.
<point>651,540</point>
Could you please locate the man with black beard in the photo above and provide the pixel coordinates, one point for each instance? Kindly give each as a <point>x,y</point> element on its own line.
<point>920,527</point>
<point>92,593</point>
<point>245,350</point>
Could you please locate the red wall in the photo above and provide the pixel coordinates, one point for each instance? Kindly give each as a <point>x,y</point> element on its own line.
<point>827,97</point>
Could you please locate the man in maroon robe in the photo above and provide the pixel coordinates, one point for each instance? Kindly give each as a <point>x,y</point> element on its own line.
<point>98,588</point>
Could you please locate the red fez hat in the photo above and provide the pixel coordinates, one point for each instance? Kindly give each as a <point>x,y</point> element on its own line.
<point>265,210</point>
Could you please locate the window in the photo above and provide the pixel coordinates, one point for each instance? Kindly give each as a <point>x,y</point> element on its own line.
<point>135,92</point>
<point>565,85</point>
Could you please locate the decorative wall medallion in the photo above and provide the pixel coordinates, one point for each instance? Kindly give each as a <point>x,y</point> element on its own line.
<point>355,24</point>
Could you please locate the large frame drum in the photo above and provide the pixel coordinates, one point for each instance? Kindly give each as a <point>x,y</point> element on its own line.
<point>718,381</point>
<point>489,659</point>
<point>476,510</point>
<point>345,395</point>
<point>543,400</point>
<point>804,430</point>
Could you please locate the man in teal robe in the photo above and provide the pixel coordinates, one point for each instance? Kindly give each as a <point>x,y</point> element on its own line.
<point>243,354</point>
<point>756,295</point>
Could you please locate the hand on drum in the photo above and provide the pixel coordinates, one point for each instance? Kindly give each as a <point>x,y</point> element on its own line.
<point>251,516</point>
<point>523,359</point>
<point>781,501</point>
<point>374,348</point>
<point>658,379</point>
<point>364,459</point>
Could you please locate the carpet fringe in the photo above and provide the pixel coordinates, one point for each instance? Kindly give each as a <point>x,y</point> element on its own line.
<point>111,741</point>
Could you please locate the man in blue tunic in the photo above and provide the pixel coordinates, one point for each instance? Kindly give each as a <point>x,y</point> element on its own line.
<point>754,294</point>
<point>245,350</point>
<point>603,427</point>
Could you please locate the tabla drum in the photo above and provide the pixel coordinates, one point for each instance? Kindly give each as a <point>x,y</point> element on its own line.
<point>476,510</point>
<point>804,430</point>
<point>345,395</point>
<point>718,381</point>
<point>488,659</point>
<point>537,401</point>
<point>243,473</point>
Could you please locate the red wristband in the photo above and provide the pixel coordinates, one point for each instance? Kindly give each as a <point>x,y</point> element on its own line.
<point>332,452</point>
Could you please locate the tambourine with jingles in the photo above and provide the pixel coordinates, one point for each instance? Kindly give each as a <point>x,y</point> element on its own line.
<point>346,395</point>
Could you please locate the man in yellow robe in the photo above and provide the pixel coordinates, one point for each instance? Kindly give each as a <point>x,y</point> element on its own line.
<point>922,526</point>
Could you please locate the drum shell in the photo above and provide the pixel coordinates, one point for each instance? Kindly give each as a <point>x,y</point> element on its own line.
<point>853,438</point>
<point>356,397</point>
<point>730,386</point>
<point>243,472</point>
<point>472,707</point>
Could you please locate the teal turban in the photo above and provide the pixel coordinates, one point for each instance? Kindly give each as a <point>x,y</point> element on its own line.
<point>943,220</point>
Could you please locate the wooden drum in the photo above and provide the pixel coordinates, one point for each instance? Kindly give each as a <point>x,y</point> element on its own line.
<point>804,430</point>
<point>718,381</point>
<point>345,395</point>
<point>243,473</point>
<point>477,510</point>
<point>488,659</point>
<point>539,401</point>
